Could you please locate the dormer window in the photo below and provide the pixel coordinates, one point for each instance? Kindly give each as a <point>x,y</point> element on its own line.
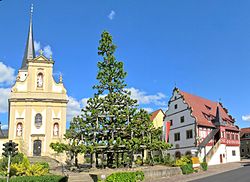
<point>39,80</point>
<point>208,108</point>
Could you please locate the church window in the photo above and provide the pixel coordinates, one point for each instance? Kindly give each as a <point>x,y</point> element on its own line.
<point>38,120</point>
<point>19,129</point>
<point>40,80</point>
<point>56,129</point>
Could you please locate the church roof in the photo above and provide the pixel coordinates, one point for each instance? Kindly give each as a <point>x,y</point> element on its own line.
<point>29,53</point>
<point>205,111</point>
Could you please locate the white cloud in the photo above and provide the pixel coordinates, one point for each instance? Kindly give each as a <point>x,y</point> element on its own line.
<point>4,127</point>
<point>74,107</point>
<point>84,102</point>
<point>246,118</point>
<point>47,51</point>
<point>111,15</point>
<point>149,102</point>
<point>4,96</point>
<point>148,109</point>
<point>7,74</point>
<point>37,46</point>
<point>143,98</point>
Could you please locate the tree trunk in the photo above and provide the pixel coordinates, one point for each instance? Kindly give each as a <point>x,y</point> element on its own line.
<point>142,160</point>
<point>76,160</point>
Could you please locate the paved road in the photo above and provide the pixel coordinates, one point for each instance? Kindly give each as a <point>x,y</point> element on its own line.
<point>238,175</point>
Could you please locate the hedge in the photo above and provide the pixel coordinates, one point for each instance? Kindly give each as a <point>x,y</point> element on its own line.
<point>50,178</point>
<point>126,177</point>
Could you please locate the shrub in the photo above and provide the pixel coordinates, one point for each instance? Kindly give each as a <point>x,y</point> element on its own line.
<point>169,161</point>
<point>125,177</point>
<point>203,166</point>
<point>187,169</point>
<point>4,164</point>
<point>26,169</point>
<point>138,160</point>
<point>184,160</point>
<point>50,178</point>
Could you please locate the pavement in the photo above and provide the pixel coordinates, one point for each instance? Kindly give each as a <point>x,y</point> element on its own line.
<point>239,175</point>
<point>230,172</point>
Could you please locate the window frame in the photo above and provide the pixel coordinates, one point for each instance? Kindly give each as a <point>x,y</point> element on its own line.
<point>177,136</point>
<point>182,119</point>
<point>189,134</point>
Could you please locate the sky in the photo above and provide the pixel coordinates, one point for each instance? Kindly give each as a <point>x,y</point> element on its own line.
<point>202,47</point>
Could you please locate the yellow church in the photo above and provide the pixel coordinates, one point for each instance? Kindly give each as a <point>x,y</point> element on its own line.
<point>37,104</point>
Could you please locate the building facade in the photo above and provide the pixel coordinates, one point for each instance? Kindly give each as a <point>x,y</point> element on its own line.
<point>37,104</point>
<point>201,126</point>
<point>157,118</point>
<point>245,142</point>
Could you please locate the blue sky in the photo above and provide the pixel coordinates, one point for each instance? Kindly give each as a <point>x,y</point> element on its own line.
<point>201,46</point>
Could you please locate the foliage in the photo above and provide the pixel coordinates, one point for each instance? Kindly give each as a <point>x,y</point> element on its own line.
<point>169,161</point>
<point>14,160</point>
<point>184,160</point>
<point>125,177</point>
<point>138,160</point>
<point>204,166</point>
<point>187,168</point>
<point>50,178</point>
<point>111,118</point>
<point>26,169</point>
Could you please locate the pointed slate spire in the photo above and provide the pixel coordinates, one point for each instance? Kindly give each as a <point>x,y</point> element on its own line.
<point>218,118</point>
<point>29,53</point>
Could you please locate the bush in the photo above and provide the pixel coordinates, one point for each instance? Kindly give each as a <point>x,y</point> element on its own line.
<point>187,169</point>
<point>138,160</point>
<point>125,177</point>
<point>14,160</point>
<point>184,160</point>
<point>50,178</point>
<point>203,166</point>
<point>26,169</point>
<point>169,161</point>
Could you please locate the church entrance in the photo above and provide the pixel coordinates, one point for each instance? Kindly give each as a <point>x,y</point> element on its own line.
<point>37,148</point>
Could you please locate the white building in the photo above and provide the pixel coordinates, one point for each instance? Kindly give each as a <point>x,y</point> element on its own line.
<point>198,124</point>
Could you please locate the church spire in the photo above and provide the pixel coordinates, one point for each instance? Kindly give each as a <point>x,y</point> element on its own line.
<point>29,53</point>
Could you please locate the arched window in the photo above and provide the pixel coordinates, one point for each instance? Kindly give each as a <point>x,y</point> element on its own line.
<point>19,129</point>
<point>56,129</point>
<point>188,153</point>
<point>177,154</point>
<point>40,80</point>
<point>38,120</point>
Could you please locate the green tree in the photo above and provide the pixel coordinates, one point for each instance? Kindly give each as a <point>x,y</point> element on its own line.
<point>111,121</point>
<point>74,143</point>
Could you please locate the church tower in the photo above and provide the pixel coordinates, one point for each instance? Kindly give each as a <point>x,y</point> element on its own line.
<point>37,105</point>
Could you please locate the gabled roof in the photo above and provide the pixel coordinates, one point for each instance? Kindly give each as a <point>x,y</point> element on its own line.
<point>205,110</point>
<point>155,113</point>
<point>244,131</point>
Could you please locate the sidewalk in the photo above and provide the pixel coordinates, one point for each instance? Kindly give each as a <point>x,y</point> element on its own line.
<point>212,170</point>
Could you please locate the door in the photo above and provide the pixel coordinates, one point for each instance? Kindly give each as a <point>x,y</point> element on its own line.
<point>221,158</point>
<point>37,147</point>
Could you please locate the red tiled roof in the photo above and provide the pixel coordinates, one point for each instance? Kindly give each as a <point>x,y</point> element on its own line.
<point>244,131</point>
<point>154,114</point>
<point>203,108</point>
